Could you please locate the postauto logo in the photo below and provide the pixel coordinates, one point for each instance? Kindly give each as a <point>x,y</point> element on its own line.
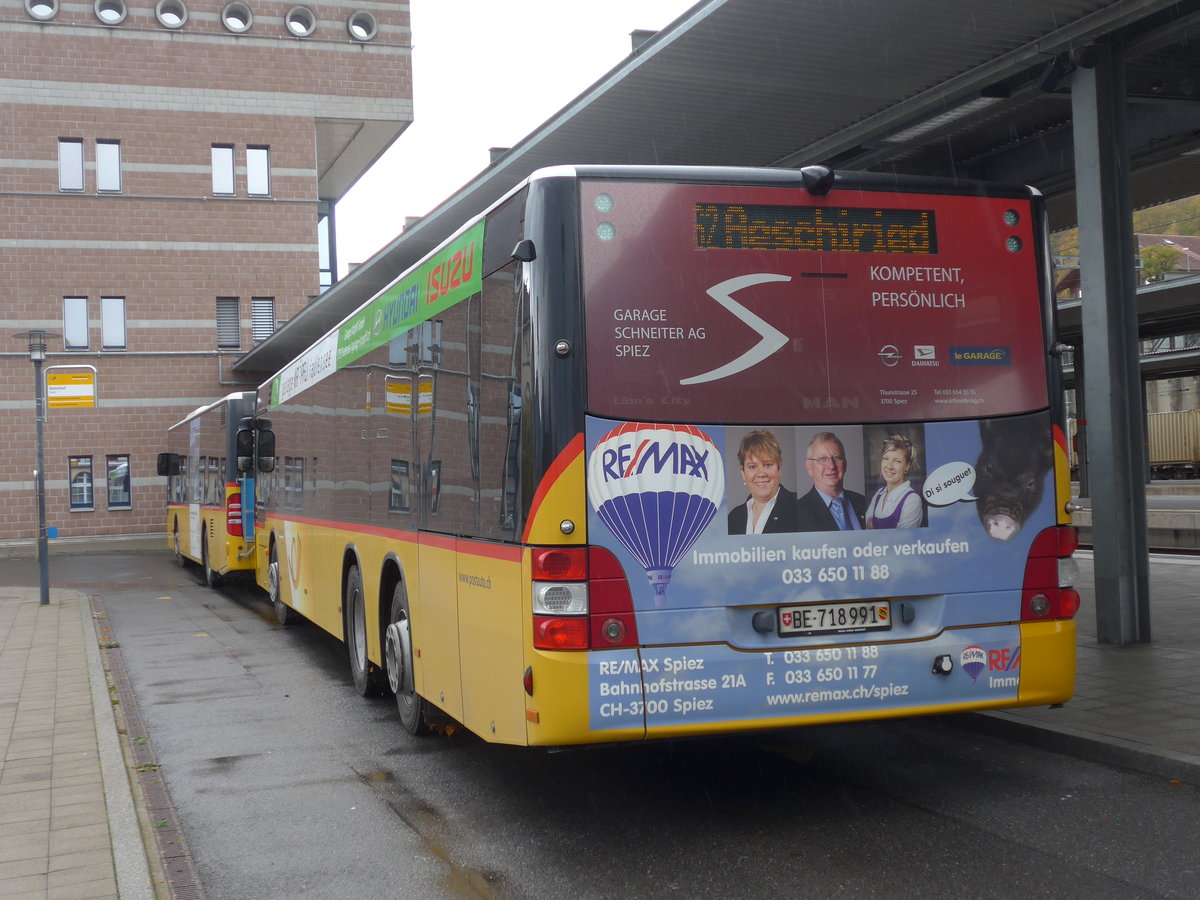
<point>980,356</point>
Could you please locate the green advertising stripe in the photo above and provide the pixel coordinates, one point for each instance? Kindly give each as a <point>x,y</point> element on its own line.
<point>451,275</point>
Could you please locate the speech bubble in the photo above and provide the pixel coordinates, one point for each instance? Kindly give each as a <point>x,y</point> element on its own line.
<point>949,483</point>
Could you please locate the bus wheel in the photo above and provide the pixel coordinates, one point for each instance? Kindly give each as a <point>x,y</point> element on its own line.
<point>211,578</point>
<point>368,679</point>
<point>283,613</point>
<point>179,560</point>
<point>397,652</point>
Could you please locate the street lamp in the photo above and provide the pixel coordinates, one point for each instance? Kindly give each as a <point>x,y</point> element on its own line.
<point>37,355</point>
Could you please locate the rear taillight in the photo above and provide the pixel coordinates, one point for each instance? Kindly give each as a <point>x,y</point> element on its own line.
<point>1049,591</point>
<point>581,600</point>
<point>233,514</point>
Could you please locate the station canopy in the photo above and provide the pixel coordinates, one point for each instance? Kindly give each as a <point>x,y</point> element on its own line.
<point>959,88</point>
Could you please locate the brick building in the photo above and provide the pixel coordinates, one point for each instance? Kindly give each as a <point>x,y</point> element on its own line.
<point>168,170</point>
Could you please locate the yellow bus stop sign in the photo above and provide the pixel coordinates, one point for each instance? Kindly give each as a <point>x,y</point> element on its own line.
<point>70,389</point>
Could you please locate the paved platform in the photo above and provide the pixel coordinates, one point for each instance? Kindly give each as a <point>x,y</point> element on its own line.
<point>69,827</point>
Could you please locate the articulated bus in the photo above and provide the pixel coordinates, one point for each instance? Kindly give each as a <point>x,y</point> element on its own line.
<point>206,491</point>
<point>649,452</point>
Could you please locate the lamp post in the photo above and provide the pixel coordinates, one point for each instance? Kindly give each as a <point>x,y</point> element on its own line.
<point>37,355</point>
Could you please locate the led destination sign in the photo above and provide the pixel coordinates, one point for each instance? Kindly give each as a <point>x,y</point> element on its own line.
<point>829,229</point>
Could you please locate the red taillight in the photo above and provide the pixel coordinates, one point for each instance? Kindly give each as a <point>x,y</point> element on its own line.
<point>1044,595</point>
<point>560,564</point>
<point>233,514</point>
<point>560,632</point>
<point>581,600</point>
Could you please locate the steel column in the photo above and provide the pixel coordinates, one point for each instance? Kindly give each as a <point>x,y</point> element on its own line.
<point>1112,379</point>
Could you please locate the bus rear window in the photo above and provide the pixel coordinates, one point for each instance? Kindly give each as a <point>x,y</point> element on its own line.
<point>759,304</point>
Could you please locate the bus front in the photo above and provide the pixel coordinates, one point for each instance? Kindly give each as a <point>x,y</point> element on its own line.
<point>823,458</point>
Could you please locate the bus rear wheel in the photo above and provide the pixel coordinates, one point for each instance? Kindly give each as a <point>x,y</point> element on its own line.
<point>211,577</point>
<point>397,652</point>
<point>368,679</point>
<point>283,613</point>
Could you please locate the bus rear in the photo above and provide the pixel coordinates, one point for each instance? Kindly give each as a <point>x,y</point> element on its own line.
<point>823,457</point>
<point>210,503</point>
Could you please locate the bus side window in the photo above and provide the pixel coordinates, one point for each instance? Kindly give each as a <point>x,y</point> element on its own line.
<point>499,402</point>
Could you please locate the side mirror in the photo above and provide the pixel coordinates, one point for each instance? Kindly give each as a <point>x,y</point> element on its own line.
<point>266,450</point>
<point>245,449</point>
<point>168,464</point>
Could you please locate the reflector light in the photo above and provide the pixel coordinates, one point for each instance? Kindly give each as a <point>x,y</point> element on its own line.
<point>613,631</point>
<point>233,515</point>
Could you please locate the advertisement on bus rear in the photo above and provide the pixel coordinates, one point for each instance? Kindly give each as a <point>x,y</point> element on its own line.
<point>818,443</point>
<point>892,546</point>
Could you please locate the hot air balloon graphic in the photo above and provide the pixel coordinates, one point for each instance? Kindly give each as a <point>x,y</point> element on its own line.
<point>973,659</point>
<point>656,487</point>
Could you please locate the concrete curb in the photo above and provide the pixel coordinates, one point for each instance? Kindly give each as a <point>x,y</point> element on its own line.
<point>129,851</point>
<point>81,546</point>
<point>1105,749</point>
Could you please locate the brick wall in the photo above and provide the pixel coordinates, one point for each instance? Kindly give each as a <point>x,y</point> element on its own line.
<point>164,242</point>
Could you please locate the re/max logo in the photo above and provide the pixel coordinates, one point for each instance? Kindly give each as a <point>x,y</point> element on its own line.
<point>1006,660</point>
<point>623,460</point>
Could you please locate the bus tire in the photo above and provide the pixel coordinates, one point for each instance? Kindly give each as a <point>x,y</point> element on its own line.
<point>211,578</point>
<point>283,613</point>
<point>397,652</point>
<point>368,678</point>
<point>179,560</point>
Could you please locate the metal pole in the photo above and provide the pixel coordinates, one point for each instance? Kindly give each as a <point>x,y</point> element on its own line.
<point>40,479</point>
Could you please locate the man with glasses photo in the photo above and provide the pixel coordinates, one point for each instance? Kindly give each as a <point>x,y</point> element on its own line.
<point>829,506</point>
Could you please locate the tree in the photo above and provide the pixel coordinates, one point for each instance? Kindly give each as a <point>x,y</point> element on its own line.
<point>1158,260</point>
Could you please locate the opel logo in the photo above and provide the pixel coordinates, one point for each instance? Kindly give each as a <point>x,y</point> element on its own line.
<point>889,355</point>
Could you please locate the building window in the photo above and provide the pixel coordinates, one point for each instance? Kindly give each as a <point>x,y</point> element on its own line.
<point>300,21</point>
<point>398,495</point>
<point>262,318</point>
<point>70,164</point>
<point>81,482</point>
<point>325,248</point>
<point>108,165</point>
<point>236,17</point>
<point>293,482</point>
<point>171,13</point>
<point>75,323</point>
<point>112,323</point>
<point>222,169</point>
<point>258,171</point>
<point>119,494</point>
<point>229,325</point>
<point>42,10</point>
<point>362,26</point>
<point>110,12</point>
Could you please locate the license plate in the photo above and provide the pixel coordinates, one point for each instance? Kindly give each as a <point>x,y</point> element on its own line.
<point>835,618</point>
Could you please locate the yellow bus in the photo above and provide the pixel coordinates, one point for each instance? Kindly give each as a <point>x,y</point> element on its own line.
<point>649,452</point>
<point>205,490</point>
